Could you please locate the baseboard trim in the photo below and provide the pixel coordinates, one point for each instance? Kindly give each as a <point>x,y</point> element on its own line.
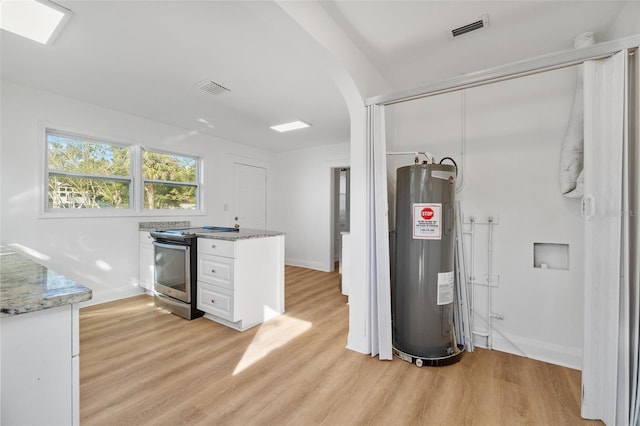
<point>113,294</point>
<point>552,353</point>
<point>302,263</point>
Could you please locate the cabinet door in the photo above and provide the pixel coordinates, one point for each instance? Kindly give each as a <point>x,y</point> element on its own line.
<point>216,270</point>
<point>145,263</point>
<point>216,247</point>
<point>37,379</point>
<point>216,301</point>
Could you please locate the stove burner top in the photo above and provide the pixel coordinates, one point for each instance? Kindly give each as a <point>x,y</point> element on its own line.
<point>182,234</point>
<point>220,229</point>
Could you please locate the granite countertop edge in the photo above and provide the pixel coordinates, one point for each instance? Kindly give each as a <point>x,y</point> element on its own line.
<point>79,295</point>
<point>242,234</point>
<point>28,286</point>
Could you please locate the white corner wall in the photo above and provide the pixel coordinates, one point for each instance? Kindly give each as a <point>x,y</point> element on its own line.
<point>627,24</point>
<point>101,253</point>
<point>513,131</point>
<point>304,204</point>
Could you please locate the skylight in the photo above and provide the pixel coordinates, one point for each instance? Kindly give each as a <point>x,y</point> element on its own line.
<point>38,20</point>
<point>294,125</point>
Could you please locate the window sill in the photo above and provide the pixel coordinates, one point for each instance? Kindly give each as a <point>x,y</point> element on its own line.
<point>81,213</point>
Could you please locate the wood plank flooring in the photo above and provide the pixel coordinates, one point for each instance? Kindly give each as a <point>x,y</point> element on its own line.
<point>142,366</point>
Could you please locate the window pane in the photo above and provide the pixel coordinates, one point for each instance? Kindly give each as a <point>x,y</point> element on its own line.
<point>69,154</point>
<point>163,196</point>
<point>87,193</point>
<point>168,167</point>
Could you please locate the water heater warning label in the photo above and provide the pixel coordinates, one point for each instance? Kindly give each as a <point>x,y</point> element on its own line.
<point>445,288</point>
<point>427,221</point>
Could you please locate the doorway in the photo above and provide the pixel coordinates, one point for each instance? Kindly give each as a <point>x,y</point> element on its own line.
<point>341,208</point>
<point>250,189</point>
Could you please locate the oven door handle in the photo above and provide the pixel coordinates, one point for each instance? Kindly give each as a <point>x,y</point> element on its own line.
<point>182,247</point>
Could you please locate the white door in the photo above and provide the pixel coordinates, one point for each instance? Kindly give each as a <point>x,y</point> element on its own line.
<point>341,201</point>
<point>604,94</point>
<point>250,189</point>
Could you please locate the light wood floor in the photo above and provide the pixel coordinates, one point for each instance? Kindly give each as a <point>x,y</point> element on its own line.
<point>142,366</point>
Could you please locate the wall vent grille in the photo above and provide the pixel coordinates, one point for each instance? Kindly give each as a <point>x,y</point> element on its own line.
<point>212,87</point>
<point>478,24</point>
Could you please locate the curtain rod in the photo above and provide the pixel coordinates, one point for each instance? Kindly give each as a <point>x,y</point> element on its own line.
<point>538,64</point>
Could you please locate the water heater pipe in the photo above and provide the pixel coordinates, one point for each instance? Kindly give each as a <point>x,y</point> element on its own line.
<point>472,276</point>
<point>472,281</point>
<point>490,314</point>
<point>430,157</point>
<point>463,140</point>
<point>489,283</point>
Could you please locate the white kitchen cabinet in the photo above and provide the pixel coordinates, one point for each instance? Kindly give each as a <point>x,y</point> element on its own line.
<point>40,367</point>
<point>216,301</point>
<point>241,282</point>
<point>145,261</point>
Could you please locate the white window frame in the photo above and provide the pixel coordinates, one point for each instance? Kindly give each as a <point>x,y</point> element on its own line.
<point>197,184</point>
<point>136,185</point>
<point>48,172</point>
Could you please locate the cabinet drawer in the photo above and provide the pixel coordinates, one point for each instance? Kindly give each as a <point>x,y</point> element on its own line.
<point>216,301</point>
<point>215,270</point>
<point>216,247</point>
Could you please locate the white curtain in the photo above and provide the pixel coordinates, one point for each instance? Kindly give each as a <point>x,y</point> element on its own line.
<point>609,314</point>
<point>378,235</point>
<point>632,254</point>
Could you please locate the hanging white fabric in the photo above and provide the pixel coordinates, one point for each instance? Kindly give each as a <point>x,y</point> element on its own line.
<point>631,245</point>
<point>572,152</point>
<point>604,97</point>
<point>379,287</point>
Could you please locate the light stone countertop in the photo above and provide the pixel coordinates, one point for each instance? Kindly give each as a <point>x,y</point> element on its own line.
<point>242,234</point>
<point>26,286</point>
<point>170,224</point>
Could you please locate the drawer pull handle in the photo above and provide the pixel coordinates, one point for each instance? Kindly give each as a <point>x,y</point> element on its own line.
<point>213,246</point>
<point>213,300</point>
<point>213,271</point>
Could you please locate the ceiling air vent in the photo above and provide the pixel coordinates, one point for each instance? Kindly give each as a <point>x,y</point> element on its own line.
<point>212,87</point>
<point>477,24</point>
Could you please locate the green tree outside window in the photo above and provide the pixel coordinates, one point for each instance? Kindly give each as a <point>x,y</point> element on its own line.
<point>85,173</point>
<point>169,181</point>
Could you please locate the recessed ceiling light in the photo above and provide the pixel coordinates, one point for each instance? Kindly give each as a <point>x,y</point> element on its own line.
<point>294,125</point>
<point>38,20</point>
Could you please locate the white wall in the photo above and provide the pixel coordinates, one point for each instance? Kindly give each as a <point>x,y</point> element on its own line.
<point>303,203</point>
<point>100,253</point>
<point>513,131</point>
<point>627,24</point>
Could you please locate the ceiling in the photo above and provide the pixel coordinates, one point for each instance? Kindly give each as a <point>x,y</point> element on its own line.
<point>146,57</point>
